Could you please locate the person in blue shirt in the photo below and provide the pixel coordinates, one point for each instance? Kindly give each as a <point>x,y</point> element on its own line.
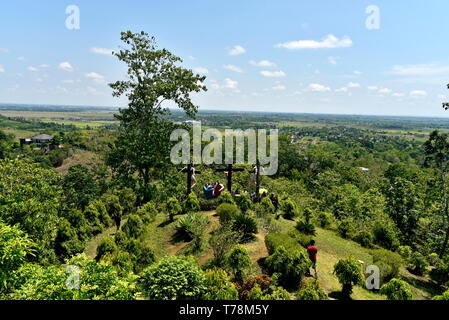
<point>209,191</point>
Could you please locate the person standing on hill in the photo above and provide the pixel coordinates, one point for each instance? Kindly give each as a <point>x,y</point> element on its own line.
<point>312,250</point>
<point>218,189</point>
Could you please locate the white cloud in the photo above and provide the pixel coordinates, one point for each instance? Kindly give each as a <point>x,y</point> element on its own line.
<point>236,50</point>
<point>32,69</point>
<point>329,42</point>
<point>39,80</point>
<point>317,71</point>
<point>418,93</point>
<point>98,78</point>
<point>384,91</point>
<point>344,89</point>
<point>102,51</point>
<point>92,91</point>
<point>353,85</point>
<point>357,72</point>
<point>273,74</point>
<point>233,68</point>
<point>44,65</point>
<point>230,84</point>
<point>372,88</point>
<point>316,87</point>
<point>419,70</point>
<point>201,70</point>
<point>21,58</point>
<point>279,87</point>
<point>441,96</point>
<point>4,50</point>
<point>66,66</point>
<point>332,60</point>
<point>263,63</point>
<point>398,95</point>
<point>2,69</point>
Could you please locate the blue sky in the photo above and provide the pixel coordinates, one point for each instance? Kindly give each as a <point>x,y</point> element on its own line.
<point>289,56</point>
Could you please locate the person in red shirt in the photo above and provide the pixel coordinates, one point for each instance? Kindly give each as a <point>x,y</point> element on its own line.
<point>218,189</point>
<point>312,250</point>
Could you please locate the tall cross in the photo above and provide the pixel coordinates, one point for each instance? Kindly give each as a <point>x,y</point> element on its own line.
<point>189,170</point>
<point>256,170</point>
<point>229,170</point>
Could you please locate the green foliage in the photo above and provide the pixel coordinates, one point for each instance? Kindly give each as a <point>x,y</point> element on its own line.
<point>148,212</point>
<point>96,282</point>
<point>290,266</point>
<point>289,209</point>
<point>311,290</point>
<point>397,290</point>
<point>443,297</point>
<point>173,278</point>
<point>345,228</point>
<point>265,208</point>
<point>143,142</point>
<point>222,241</point>
<point>127,199</point>
<point>191,204</point>
<point>276,240</point>
<point>67,243</point>
<point>417,263</point>
<point>245,203</point>
<point>238,261</point>
<point>388,262</point>
<point>385,235</point>
<point>405,252</point>
<point>142,255</point>
<point>306,228</point>
<point>246,226</point>
<point>227,212</point>
<point>79,187</point>
<point>325,219</point>
<point>134,227</point>
<point>172,208</point>
<point>364,237</point>
<point>348,272</point>
<point>113,206</point>
<point>107,245</point>
<point>226,197</point>
<point>218,286</point>
<point>192,226</point>
<point>15,246</point>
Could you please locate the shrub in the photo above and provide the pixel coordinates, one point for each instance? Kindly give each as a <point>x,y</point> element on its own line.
<point>192,225</point>
<point>388,262</point>
<point>311,291</point>
<point>172,208</point>
<point>120,238</point>
<point>291,266</point>
<point>67,243</point>
<point>417,263</point>
<point>397,290</point>
<point>306,228</point>
<point>225,197</point>
<point>434,260</point>
<point>222,241</point>
<point>208,204</point>
<point>134,227</point>
<point>325,219</point>
<point>245,203</point>
<point>265,207</point>
<point>123,262</point>
<point>246,226</point>
<point>345,229</point>
<point>364,238</point>
<point>191,204</point>
<point>443,297</point>
<point>226,212</point>
<point>289,209</point>
<point>218,286</point>
<point>109,207</point>
<point>440,273</point>
<point>405,252</point>
<point>385,235</point>
<point>261,288</point>
<point>239,262</point>
<point>349,274</point>
<point>174,278</point>
<point>147,213</point>
<point>107,245</point>
<point>276,240</point>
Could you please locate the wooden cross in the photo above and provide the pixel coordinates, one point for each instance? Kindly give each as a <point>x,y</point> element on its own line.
<point>189,171</point>
<point>256,170</point>
<point>229,170</point>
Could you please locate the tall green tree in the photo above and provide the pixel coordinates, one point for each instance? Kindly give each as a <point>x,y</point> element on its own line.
<point>437,156</point>
<point>154,82</point>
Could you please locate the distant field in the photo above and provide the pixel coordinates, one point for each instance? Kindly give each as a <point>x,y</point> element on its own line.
<point>91,118</point>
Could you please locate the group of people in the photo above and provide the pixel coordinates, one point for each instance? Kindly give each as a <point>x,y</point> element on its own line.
<point>212,191</point>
